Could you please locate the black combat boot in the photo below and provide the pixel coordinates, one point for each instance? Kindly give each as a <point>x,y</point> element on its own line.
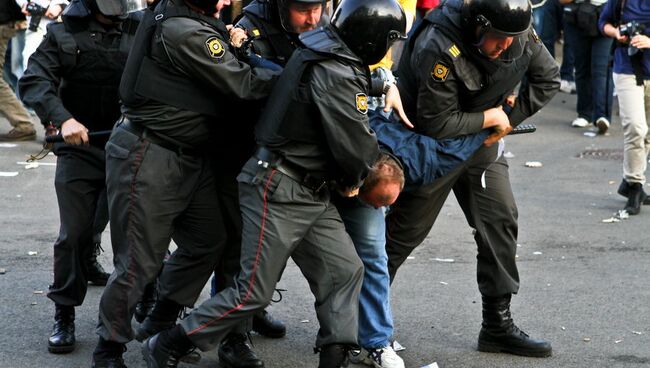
<point>268,326</point>
<point>165,349</point>
<point>500,335</point>
<point>162,316</point>
<point>333,356</point>
<point>634,198</point>
<point>235,352</point>
<point>624,190</point>
<point>108,354</point>
<point>62,339</point>
<point>147,302</point>
<point>96,273</point>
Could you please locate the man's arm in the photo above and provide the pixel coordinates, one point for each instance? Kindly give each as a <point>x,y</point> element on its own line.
<point>543,83</point>
<point>39,85</point>
<point>342,103</point>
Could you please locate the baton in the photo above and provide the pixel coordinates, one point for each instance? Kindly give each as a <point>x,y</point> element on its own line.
<point>523,128</point>
<point>59,138</point>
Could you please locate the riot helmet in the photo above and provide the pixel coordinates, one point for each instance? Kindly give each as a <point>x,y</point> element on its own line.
<point>302,11</point>
<point>120,7</point>
<point>208,7</point>
<point>369,27</point>
<point>112,9</point>
<point>504,19</point>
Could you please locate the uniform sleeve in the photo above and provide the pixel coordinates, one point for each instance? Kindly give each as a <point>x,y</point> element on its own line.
<point>439,113</point>
<point>40,84</point>
<point>543,83</point>
<point>202,54</point>
<point>342,103</point>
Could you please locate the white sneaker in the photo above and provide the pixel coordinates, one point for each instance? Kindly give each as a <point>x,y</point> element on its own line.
<point>378,358</point>
<point>565,86</point>
<point>580,123</point>
<point>603,125</point>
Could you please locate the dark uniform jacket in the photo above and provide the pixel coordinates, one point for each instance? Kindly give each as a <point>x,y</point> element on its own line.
<point>197,54</point>
<point>324,130</point>
<point>76,71</point>
<point>446,84</point>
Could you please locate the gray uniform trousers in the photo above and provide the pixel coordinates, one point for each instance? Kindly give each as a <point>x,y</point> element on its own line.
<point>154,195</point>
<point>491,211</point>
<point>283,219</point>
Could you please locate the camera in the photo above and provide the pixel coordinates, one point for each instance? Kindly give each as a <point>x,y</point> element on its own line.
<point>630,30</point>
<point>36,12</point>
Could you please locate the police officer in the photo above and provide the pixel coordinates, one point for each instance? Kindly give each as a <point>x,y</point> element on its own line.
<point>461,64</point>
<point>306,139</point>
<point>273,27</point>
<point>71,82</point>
<point>179,78</point>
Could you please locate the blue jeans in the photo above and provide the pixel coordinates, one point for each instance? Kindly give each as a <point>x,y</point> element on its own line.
<point>367,229</point>
<point>547,20</point>
<point>593,74</point>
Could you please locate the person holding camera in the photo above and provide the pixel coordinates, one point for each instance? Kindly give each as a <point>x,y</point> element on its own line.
<point>592,73</point>
<point>627,22</point>
<point>39,14</point>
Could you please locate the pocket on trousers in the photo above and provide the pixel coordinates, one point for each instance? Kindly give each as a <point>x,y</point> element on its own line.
<point>113,150</point>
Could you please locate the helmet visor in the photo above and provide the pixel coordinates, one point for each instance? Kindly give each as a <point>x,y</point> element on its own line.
<point>120,7</point>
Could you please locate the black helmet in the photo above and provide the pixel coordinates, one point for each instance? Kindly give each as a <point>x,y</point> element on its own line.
<point>283,10</point>
<point>506,17</point>
<point>369,27</point>
<point>120,7</point>
<point>109,8</point>
<point>207,6</point>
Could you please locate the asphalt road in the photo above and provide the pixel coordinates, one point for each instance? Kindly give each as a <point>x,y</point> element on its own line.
<point>585,283</point>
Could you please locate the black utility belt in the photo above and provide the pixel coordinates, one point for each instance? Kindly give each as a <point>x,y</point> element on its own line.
<point>269,159</point>
<point>150,136</point>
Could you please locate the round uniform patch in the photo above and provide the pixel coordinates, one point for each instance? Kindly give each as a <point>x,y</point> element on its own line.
<point>440,72</point>
<point>215,48</point>
<point>362,103</point>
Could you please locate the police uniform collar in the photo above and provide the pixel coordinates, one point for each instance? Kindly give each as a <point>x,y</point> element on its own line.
<point>324,40</point>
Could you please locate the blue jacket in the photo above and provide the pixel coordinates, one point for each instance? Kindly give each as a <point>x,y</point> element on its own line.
<point>424,159</point>
<point>638,10</point>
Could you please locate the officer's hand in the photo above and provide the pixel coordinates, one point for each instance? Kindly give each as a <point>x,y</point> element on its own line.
<point>74,132</point>
<point>54,11</point>
<point>640,42</point>
<point>497,135</point>
<point>394,101</point>
<point>237,36</point>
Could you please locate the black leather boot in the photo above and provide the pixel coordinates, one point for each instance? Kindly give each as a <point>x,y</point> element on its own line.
<point>634,198</point>
<point>62,339</point>
<point>624,190</point>
<point>333,356</point>
<point>235,352</point>
<point>162,316</point>
<point>147,302</point>
<point>158,354</point>
<point>268,326</point>
<point>108,354</point>
<point>96,273</point>
<point>500,335</point>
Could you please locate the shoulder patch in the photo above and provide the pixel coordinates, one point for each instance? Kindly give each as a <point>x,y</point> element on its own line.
<point>535,35</point>
<point>440,72</point>
<point>215,48</point>
<point>362,103</point>
<point>454,51</point>
<point>256,32</point>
